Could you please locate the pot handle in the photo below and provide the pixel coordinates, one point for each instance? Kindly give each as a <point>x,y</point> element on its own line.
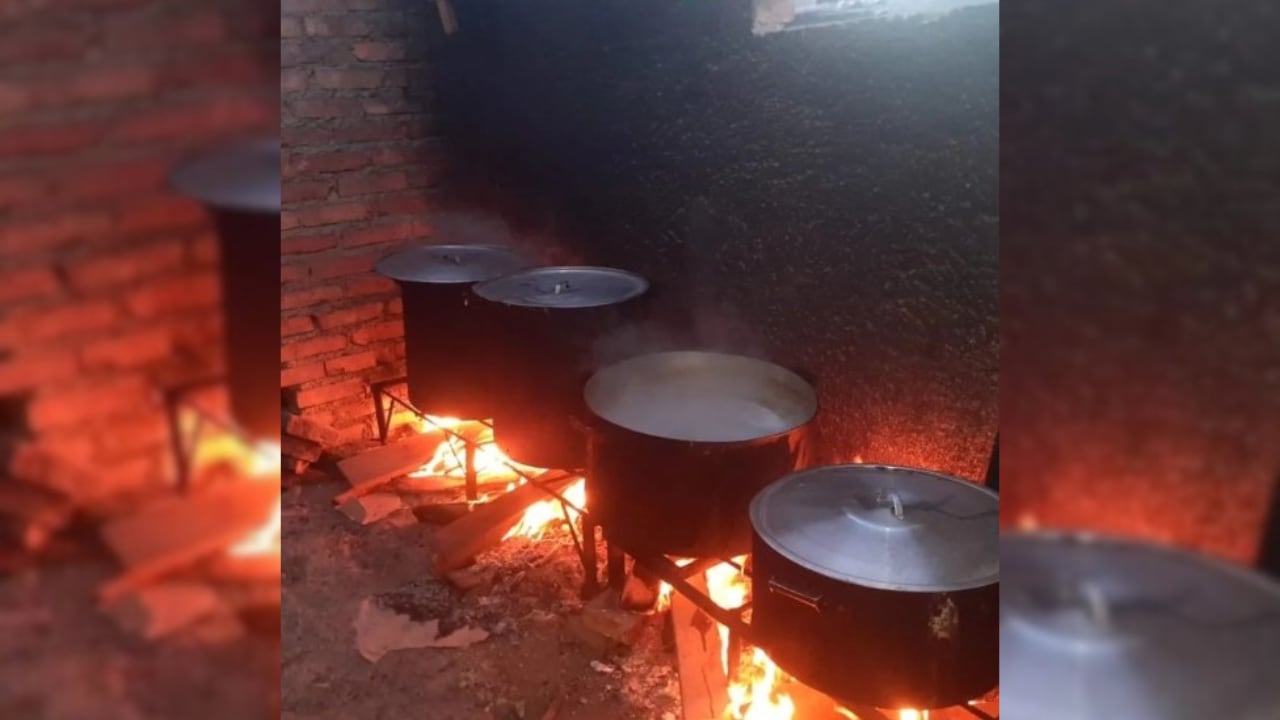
<point>812,601</point>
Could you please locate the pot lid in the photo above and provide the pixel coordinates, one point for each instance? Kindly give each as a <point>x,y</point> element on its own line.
<point>1102,627</point>
<point>884,527</point>
<point>242,176</point>
<point>450,264</point>
<point>564,287</point>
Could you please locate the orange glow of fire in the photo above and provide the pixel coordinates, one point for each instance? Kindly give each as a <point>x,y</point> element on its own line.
<point>493,466</point>
<point>265,467</point>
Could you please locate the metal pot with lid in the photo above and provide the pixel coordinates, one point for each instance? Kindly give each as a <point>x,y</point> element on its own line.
<point>1095,627</point>
<point>448,341</point>
<point>680,442</point>
<point>240,185</point>
<point>879,585</point>
<point>548,320</point>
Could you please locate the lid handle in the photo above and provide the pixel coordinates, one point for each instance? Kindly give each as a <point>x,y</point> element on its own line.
<point>1096,604</point>
<point>452,258</point>
<point>892,500</point>
<point>560,287</point>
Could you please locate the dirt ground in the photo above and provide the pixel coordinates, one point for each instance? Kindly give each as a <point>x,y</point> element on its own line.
<point>530,667</point>
<point>63,659</point>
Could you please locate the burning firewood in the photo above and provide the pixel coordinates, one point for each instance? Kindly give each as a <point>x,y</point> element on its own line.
<point>455,544</point>
<point>371,470</point>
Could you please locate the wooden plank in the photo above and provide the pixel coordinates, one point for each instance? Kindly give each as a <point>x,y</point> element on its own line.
<point>180,530</point>
<point>477,531</point>
<point>704,689</point>
<point>371,470</point>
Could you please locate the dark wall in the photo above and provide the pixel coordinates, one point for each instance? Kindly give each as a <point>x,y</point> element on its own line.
<point>1140,269</point>
<point>824,198</point>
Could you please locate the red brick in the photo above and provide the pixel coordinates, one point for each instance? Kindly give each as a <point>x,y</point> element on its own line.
<point>293,80</point>
<point>14,98</point>
<point>290,27</point>
<point>349,316</point>
<point>403,205</point>
<point>119,268</point>
<point>165,213</point>
<point>23,192</point>
<point>325,108</point>
<point>294,273</point>
<point>346,79</point>
<point>136,32</point>
<point>353,184</point>
<point>203,250</point>
<point>211,116</point>
<point>377,51</point>
<point>62,405</point>
<point>395,307</point>
<point>130,350</point>
<point>294,190</point>
<point>222,71</point>
<point>108,83</point>
<point>288,221</point>
<point>328,393</point>
<point>378,332</point>
<point>53,232</point>
<point>309,297</point>
<point>331,214</point>
<point>386,234</point>
<point>351,363</point>
<point>28,284</point>
<point>296,325</point>
<point>121,178</point>
<point>66,320</point>
<point>342,267</point>
<point>125,438</point>
<point>369,285</point>
<point>47,139</point>
<point>298,349</point>
<point>348,25</point>
<point>50,43</point>
<point>38,366</point>
<point>299,374</point>
<point>183,292</point>
<point>303,244</point>
<point>323,162</point>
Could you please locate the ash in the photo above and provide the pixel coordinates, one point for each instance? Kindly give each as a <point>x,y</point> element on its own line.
<point>525,594</point>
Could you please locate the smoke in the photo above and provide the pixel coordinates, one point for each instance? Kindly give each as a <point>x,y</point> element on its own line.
<point>473,227</point>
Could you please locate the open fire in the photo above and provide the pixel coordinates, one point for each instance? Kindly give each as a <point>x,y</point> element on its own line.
<point>492,466</point>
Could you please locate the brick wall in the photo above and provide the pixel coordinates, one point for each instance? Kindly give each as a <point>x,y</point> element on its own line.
<point>358,159</point>
<point>108,283</point>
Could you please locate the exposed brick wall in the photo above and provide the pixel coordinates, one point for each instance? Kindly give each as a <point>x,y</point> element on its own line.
<point>108,282</point>
<point>358,178</point>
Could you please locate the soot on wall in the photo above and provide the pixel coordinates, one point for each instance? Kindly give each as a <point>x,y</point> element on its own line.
<point>824,198</point>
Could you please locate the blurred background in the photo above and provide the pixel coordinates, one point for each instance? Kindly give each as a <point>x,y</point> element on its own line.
<point>109,299</point>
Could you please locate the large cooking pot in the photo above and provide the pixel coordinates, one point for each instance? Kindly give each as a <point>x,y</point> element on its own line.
<point>547,321</point>
<point>879,585</point>
<point>1096,627</point>
<point>679,442</point>
<point>240,185</point>
<point>448,338</point>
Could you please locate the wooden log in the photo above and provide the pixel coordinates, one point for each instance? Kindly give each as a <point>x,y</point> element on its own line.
<point>293,466</point>
<point>161,609</point>
<point>442,483</point>
<point>372,507</point>
<point>704,689</point>
<point>456,543</point>
<point>308,429</point>
<point>371,470</point>
<point>176,531</point>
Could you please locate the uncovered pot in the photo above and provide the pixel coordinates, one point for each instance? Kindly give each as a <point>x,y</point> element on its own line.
<point>879,585</point>
<point>448,339</point>
<point>679,442</point>
<point>545,323</point>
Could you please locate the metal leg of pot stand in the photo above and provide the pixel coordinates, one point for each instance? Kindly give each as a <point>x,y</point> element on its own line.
<point>1269,557</point>
<point>381,412</point>
<point>469,467</point>
<point>590,564</point>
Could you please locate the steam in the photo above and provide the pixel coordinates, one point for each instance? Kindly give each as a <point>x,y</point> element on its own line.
<point>471,227</point>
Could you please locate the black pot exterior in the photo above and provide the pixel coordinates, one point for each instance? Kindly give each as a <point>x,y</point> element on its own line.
<point>546,357</point>
<point>249,245</point>
<point>659,496</point>
<point>874,647</point>
<point>449,351</point>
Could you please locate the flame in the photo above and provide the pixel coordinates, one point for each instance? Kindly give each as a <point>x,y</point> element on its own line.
<point>493,466</point>
<point>265,467</point>
<point>754,680</point>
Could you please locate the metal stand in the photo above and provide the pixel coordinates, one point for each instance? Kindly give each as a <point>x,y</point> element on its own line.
<point>184,442</point>
<point>384,411</point>
<point>659,566</point>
